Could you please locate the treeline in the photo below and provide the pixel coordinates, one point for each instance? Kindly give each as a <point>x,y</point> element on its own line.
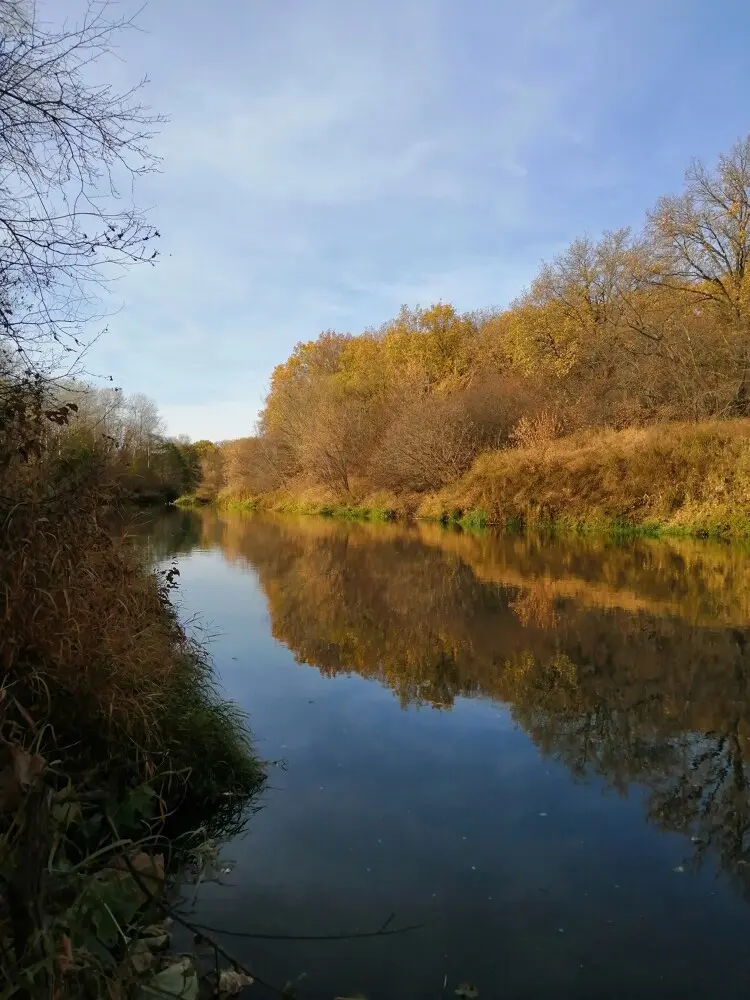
<point>127,435</point>
<point>632,329</point>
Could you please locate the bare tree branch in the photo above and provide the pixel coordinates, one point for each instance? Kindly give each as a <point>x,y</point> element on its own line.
<point>70,152</point>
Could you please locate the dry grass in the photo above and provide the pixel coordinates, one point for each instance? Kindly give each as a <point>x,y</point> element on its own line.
<point>306,498</point>
<point>682,477</point>
<point>112,736</point>
<point>92,648</point>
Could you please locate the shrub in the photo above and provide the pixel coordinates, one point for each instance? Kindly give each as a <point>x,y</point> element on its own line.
<point>538,430</point>
<point>431,443</point>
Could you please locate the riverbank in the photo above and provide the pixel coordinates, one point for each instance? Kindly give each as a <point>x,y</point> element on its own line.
<point>680,479</point>
<point>120,763</point>
<point>691,479</point>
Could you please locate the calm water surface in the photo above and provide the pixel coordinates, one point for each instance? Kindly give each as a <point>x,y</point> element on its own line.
<point>538,751</point>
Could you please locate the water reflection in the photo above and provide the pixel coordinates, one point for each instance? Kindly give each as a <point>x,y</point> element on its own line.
<point>630,663</point>
<point>508,684</point>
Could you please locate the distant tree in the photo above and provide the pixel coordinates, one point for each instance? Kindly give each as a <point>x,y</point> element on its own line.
<point>143,426</point>
<point>212,469</point>
<point>191,464</point>
<point>170,469</point>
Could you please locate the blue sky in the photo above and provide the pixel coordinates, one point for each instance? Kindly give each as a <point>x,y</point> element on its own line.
<point>328,160</point>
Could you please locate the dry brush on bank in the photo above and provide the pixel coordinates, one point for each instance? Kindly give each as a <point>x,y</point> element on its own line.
<point>693,478</point>
<point>114,746</point>
<point>683,478</point>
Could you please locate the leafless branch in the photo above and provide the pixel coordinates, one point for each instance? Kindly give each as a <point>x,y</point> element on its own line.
<point>70,152</point>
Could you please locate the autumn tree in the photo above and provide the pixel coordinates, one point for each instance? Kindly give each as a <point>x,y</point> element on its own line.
<point>423,349</point>
<point>294,385</point>
<point>248,468</point>
<point>211,463</point>
<point>430,444</point>
<point>338,440</point>
<point>703,240</point>
<point>703,233</point>
<point>432,440</point>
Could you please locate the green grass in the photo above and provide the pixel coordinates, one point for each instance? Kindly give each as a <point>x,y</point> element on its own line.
<point>247,504</point>
<point>478,519</point>
<point>346,512</point>
<point>618,528</point>
<point>206,740</point>
<point>188,501</point>
<point>341,511</point>
<point>356,513</point>
<point>724,525</point>
<point>474,520</point>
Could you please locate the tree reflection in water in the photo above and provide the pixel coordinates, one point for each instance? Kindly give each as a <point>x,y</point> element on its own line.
<point>625,662</point>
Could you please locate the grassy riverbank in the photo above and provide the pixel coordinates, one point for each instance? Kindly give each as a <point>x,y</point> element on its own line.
<point>680,478</point>
<point>689,479</point>
<point>119,761</point>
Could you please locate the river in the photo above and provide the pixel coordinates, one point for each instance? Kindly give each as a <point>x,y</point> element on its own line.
<point>536,750</point>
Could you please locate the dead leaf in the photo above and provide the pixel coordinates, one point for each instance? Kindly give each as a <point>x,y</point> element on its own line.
<point>26,766</point>
<point>17,776</point>
<point>141,956</point>
<point>156,935</point>
<point>157,942</point>
<point>177,980</point>
<point>64,954</point>
<point>231,982</point>
<point>148,867</point>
